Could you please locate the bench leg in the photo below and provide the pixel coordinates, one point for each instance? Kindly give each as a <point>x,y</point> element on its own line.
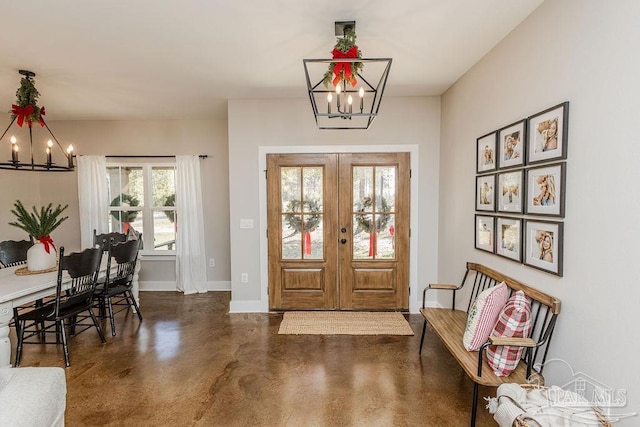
<point>474,407</point>
<point>424,329</point>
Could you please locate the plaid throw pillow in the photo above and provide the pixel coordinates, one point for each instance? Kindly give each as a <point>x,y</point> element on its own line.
<point>514,321</point>
<point>483,315</point>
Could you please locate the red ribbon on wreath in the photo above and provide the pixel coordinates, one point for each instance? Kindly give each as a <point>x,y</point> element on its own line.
<point>346,66</point>
<point>307,243</point>
<point>46,241</point>
<point>373,243</point>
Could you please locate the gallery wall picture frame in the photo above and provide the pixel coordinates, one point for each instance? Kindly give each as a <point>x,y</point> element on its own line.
<point>486,153</point>
<point>485,233</point>
<point>545,189</point>
<point>509,238</point>
<point>548,134</point>
<point>543,242</point>
<point>485,193</point>
<point>510,191</point>
<point>512,145</point>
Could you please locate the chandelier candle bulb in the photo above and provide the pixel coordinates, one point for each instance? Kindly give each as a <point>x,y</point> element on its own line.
<point>361,93</point>
<point>14,152</point>
<point>338,90</point>
<point>70,155</point>
<point>350,102</point>
<point>329,99</point>
<point>49,145</point>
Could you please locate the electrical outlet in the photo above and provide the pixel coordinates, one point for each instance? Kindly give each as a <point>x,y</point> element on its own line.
<point>244,277</point>
<point>212,262</point>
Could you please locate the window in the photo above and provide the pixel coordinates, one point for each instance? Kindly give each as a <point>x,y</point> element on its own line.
<point>142,201</point>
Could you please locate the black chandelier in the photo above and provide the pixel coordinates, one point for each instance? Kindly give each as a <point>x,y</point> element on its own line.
<point>28,117</point>
<point>342,96</point>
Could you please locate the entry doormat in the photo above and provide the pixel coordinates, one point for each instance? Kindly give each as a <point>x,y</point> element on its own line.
<point>344,323</point>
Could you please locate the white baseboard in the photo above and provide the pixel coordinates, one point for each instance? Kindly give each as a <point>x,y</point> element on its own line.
<point>171,286</point>
<point>246,306</point>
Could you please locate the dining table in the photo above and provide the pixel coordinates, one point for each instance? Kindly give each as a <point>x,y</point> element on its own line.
<point>17,290</point>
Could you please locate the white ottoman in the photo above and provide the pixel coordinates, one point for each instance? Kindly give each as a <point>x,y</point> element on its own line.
<point>32,397</point>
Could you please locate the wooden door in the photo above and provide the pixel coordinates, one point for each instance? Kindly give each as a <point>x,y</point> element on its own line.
<point>374,231</point>
<point>338,231</point>
<point>302,231</point>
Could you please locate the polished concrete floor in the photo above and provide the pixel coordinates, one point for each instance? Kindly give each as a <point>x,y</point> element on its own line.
<point>191,363</point>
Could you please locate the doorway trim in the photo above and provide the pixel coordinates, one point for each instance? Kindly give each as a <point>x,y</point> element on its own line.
<point>413,149</point>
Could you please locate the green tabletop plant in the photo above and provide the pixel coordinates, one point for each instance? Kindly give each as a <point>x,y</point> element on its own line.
<point>39,224</point>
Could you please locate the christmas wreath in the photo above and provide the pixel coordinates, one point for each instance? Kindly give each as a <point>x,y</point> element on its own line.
<point>26,107</point>
<point>125,200</point>
<point>311,215</point>
<point>364,219</point>
<point>344,71</point>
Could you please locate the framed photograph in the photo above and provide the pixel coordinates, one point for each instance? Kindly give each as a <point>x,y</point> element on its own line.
<point>510,191</point>
<point>511,145</point>
<point>485,193</point>
<point>484,226</point>
<point>545,190</point>
<point>548,134</point>
<point>509,238</point>
<point>543,245</point>
<point>486,153</point>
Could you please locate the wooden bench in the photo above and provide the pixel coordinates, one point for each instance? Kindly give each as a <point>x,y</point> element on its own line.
<point>449,324</point>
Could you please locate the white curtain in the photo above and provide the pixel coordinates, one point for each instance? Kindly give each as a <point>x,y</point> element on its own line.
<point>92,197</point>
<point>191,267</point>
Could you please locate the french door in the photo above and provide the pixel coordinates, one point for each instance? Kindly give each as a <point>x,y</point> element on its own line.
<point>338,231</point>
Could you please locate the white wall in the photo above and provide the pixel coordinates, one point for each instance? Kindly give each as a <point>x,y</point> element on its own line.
<point>585,52</point>
<point>279,122</point>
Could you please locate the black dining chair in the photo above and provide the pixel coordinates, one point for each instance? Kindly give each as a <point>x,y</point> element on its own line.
<point>71,308</point>
<point>105,240</point>
<point>14,252</point>
<point>118,282</point>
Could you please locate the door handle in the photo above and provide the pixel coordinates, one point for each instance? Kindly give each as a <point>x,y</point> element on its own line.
<point>343,241</point>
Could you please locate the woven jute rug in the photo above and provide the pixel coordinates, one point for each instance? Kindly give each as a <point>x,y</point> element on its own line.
<point>344,323</point>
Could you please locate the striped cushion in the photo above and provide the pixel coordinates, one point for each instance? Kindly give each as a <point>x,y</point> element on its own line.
<point>483,315</point>
<point>514,321</point>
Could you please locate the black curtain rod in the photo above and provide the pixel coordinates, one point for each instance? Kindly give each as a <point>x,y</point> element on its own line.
<point>202,156</point>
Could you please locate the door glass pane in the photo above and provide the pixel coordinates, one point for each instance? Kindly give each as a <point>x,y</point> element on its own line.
<point>374,205</point>
<point>386,242</point>
<point>385,188</point>
<point>313,241</point>
<point>302,216</point>
<point>363,243</point>
<point>362,188</point>
<point>290,188</point>
<point>291,237</point>
<point>312,185</point>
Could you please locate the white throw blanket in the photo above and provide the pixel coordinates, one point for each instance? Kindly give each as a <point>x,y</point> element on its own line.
<point>543,407</point>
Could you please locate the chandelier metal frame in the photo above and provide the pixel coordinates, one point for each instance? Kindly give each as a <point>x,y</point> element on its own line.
<point>48,165</point>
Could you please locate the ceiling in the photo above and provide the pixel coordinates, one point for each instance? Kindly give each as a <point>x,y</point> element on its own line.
<point>150,59</point>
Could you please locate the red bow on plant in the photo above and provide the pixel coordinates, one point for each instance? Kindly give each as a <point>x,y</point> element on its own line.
<point>46,241</point>
<point>346,66</point>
